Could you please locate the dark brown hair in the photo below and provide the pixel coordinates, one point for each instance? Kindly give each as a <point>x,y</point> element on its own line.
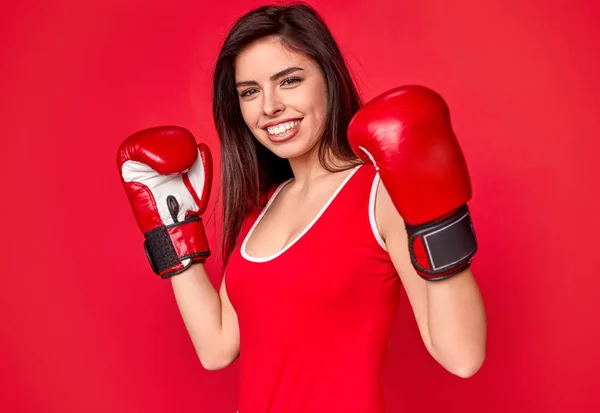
<point>248,169</point>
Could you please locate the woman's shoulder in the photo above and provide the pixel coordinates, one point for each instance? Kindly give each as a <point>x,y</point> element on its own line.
<point>368,170</point>
<point>364,175</point>
<point>267,193</point>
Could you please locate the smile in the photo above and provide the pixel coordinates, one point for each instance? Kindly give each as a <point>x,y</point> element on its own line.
<point>284,131</point>
<point>282,128</point>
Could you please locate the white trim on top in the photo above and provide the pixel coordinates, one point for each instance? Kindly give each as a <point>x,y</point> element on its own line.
<point>299,236</point>
<point>372,220</point>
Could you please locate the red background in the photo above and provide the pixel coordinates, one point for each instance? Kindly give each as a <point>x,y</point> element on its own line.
<point>86,327</point>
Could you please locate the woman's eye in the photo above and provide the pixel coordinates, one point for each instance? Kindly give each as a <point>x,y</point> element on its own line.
<point>291,81</point>
<point>248,93</point>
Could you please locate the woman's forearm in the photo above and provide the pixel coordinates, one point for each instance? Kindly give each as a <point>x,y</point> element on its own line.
<point>457,323</point>
<point>200,307</point>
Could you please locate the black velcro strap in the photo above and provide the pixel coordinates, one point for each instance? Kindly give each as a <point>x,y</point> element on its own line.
<point>160,250</point>
<point>447,245</point>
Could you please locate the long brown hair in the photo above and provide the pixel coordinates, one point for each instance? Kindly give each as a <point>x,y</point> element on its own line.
<point>248,169</point>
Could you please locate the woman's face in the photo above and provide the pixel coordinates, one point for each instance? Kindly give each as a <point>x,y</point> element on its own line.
<point>283,97</point>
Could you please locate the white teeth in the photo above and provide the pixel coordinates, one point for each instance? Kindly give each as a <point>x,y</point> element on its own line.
<point>283,127</point>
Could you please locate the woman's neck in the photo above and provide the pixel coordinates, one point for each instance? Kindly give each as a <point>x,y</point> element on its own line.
<point>308,169</point>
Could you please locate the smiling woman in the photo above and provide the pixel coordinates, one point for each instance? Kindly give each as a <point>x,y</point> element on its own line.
<point>278,59</point>
<point>328,208</point>
<point>313,277</point>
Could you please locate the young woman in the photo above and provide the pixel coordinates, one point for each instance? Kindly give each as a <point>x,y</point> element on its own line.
<point>329,208</point>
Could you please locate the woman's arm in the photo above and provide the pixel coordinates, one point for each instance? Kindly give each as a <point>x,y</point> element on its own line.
<point>209,317</point>
<point>450,313</point>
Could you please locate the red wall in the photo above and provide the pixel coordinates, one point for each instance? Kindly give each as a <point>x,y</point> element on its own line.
<point>85,325</point>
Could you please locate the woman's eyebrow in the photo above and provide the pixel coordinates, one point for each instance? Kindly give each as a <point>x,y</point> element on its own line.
<point>285,72</point>
<point>274,77</point>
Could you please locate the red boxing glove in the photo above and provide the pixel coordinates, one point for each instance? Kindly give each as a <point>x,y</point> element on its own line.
<point>167,178</point>
<point>406,133</point>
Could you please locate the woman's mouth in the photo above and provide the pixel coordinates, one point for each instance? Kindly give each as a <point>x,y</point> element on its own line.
<point>284,131</point>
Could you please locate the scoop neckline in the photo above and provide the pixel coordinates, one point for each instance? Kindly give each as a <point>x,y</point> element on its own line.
<point>271,257</point>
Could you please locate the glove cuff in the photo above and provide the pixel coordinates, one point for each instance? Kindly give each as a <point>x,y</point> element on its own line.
<point>172,249</point>
<point>443,248</point>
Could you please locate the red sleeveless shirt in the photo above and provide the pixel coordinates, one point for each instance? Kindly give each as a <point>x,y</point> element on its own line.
<point>315,319</point>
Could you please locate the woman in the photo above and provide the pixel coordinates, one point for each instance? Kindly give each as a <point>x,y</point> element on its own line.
<point>315,248</point>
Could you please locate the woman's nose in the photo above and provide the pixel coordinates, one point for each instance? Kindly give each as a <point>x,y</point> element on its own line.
<point>272,104</point>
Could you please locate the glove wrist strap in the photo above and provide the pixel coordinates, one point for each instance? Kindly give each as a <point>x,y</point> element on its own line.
<point>443,248</point>
<point>172,249</point>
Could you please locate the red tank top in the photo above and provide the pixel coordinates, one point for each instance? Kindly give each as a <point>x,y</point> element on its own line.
<point>315,319</point>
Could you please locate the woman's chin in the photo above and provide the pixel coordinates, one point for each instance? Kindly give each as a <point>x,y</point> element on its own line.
<point>292,152</point>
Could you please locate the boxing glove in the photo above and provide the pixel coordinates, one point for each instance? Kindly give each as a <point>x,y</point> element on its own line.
<point>406,133</point>
<point>167,178</point>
